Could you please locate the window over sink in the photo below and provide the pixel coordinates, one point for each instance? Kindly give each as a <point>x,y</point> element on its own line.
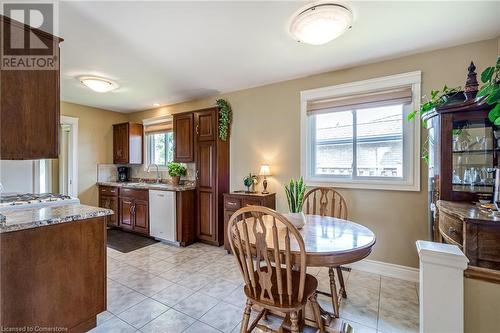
<point>356,135</point>
<point>159,142</point>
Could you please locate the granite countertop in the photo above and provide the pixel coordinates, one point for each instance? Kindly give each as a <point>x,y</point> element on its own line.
<point>30,218</point>
<point>468,212</point>
<point>150,186</point>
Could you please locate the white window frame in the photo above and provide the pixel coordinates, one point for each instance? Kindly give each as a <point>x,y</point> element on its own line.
<point>153,121</point>
<point>411,135</point>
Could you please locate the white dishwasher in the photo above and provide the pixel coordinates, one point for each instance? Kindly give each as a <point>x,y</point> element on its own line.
<point>162,221</point>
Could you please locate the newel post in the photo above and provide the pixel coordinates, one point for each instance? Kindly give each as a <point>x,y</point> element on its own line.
<point>441,287</point>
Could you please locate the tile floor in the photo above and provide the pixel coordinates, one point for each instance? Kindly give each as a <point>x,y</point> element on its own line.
<point>197,289</point>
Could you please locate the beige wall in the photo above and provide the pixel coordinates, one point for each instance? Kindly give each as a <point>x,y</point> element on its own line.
<point>95,144</point>
<point>481,306</point>
<point>266,128</point>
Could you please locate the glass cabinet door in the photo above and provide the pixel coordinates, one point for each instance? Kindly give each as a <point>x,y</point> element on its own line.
<point>473,153</point>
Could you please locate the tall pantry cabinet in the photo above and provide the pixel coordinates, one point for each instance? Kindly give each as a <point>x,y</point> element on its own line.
<point>211,157</point>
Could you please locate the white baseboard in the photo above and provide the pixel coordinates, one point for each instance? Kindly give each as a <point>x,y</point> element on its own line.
<point>387,269</point>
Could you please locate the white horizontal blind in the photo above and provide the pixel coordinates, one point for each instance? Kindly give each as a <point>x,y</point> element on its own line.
<point>402,95</point>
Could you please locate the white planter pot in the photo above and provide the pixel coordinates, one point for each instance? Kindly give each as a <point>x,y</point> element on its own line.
<point>297,219</point>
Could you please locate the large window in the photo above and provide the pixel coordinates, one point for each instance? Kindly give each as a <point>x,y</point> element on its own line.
<point>357,135</point>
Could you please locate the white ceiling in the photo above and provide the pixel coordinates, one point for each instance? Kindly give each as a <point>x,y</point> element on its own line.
<point>169,52</point>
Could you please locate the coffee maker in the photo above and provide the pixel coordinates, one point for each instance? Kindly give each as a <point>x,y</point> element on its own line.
<point>123,174</point>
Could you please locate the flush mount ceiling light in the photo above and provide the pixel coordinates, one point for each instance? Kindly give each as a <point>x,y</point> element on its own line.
<point>98,84</point>
<point>320,23</point>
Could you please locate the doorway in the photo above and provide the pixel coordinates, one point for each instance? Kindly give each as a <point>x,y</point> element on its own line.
<point>68,157</point>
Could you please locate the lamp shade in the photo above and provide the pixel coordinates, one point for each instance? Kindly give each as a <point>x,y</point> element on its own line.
<point>264,170</point>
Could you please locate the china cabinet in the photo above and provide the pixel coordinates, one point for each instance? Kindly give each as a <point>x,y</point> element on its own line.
<point>462,150</point>
<point>463,154</point>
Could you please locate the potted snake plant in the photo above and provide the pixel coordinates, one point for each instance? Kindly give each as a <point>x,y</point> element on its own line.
<point>295,191</point>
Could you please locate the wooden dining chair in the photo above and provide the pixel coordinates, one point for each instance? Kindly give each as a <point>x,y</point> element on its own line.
<point>270,254</point>
<point>325,201</point>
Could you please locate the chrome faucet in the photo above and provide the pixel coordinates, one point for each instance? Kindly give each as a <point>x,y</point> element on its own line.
<point>158,177</point>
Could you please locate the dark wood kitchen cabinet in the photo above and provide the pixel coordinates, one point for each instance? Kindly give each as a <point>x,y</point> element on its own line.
<point>29,110</point>
<point>212,176</point>
<point>236,200</point>
<point>53,276</point>
<point>134,210</point>
<point>196,140</point>
<point>206,125</point>
<point>183,137</point>
<point>207,191</point>
<point>128,143</point>
<point>108,198</point>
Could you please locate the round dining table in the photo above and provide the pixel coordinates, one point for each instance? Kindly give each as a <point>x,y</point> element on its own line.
<point>329,242</point>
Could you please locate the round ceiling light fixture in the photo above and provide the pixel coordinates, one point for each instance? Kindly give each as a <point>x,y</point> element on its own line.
<point>320,23</point>
<point>98,84</point>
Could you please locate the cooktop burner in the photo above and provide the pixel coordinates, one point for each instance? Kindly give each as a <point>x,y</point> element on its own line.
<point>29,198</point>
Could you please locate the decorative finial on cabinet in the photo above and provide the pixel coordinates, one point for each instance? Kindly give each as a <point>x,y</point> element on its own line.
<point>471,85</point>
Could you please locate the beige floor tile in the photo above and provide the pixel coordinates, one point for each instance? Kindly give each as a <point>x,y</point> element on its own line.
<point>169,275</point>
<point>360,328</point>
<point>173,294</point>
<point>363,279</point>
<point>143,312</point>
<point>399,303</point>
<point>223,317</point>
<point>196,305</point>
<point>114,325</point>
<point>237,297</point>
<point>175,275</point>
<point>396,322</point>
<point>398,288</point>
<point>199,327</point>
<point>360,306</point>
<point>220,288</point>
<point>147,284</point>
<point>171,321</point>
<point>103,317</point>
<point>121,298</point>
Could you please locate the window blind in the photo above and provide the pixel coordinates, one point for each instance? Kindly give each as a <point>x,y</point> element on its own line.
<point>158,128</point>
<point>371,99</point>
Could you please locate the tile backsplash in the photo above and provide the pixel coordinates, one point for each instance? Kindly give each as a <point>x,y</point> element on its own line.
<point>108,172</point>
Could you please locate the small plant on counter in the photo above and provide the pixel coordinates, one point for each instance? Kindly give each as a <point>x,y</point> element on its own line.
<point>175,171</point>
<point>295,195</point>
<point>250,181</point>
<point>225,115</point>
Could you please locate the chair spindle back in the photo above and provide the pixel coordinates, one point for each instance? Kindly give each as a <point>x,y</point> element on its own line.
<point>266,247</point>
<point>325,201</point>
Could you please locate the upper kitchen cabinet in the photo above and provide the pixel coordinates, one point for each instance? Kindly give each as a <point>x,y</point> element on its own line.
<point>128,143</point>
<point>183,137</point>
<point>29,113</point>
<point>206,125</point>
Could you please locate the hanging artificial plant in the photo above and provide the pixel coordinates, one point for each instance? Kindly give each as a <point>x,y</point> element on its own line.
<point>225,114</point>
<point>491,90</point>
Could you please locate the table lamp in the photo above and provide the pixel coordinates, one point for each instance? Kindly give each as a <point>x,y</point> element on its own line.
<point>265,171</point>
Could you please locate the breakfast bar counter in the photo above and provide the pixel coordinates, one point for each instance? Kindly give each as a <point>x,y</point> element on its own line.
<point>53,268</point>
<point>20,219</point>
